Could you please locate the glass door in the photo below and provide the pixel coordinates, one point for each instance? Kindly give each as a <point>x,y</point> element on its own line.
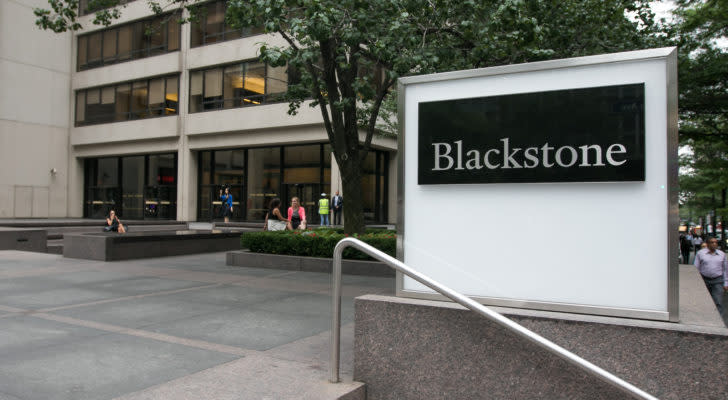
<point>132,177</point>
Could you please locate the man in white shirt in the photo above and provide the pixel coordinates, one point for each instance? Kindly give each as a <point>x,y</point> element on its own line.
<point>713,266</point>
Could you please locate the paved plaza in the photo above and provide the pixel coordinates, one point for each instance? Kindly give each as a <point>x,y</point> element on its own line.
<point>187,327</point>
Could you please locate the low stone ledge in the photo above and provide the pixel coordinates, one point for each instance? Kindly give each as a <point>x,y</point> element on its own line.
<point>111,246</point>
<point>23,239</point>
<point>244,258</point>
<point>418,349</point>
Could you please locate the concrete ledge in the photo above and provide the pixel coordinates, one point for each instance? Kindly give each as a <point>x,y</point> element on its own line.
<point>244,258</point>
<point>23,239</point>
<point>113,246</point>
<point>415,349</point>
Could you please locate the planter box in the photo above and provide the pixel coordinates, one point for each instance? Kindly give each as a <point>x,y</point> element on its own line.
<point>244,258</point>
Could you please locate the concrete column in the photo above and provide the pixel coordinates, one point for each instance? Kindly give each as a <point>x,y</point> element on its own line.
<point>186,161</point>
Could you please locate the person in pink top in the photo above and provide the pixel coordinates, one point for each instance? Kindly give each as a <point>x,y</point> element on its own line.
<point>297,214</point>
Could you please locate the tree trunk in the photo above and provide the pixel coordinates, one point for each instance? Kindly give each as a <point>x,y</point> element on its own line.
<point>353,196</point>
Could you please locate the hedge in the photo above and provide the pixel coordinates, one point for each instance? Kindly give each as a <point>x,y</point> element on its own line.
<point>316,243</point>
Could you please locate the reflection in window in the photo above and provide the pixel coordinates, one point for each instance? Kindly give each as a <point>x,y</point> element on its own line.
<point>138,39</point>
<point>122,102</point>
<point>235,86</point>
<point>212,28</point>
<point>264,180</point>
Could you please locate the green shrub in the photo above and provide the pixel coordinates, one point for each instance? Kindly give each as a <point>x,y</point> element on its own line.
<point>316,243</point>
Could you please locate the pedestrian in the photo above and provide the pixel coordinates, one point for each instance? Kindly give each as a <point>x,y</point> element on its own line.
<point>713,267</point>
<point>685,246</point>
<point>337,202</point>
<point>697,243</point>
<point>227,203</point>
<point>324,210</point>
<point>297,214</point>
<point>689,238</point>
<point>274,220</point>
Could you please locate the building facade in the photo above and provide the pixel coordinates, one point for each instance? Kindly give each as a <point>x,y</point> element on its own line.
<point>152,118</point>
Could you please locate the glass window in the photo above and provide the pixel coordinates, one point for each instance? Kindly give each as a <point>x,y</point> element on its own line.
<point>94,48</point>
<point>132,186</point>
<point>254,87</point>
<point>213,88</point>
<point>197,32</point>
<point>156,96</point>
<point>82,51</point>
<point>139,100</point>
<point>302,164</point>
<point>173,33</point>
<point>123,102</point>
<point>229,167</point>
<point>157,30</point>
<point>264,165</point>
<point>108,172</point>
<point>170,97</point>
<point>232,86</point>
<point>126,36</point>
<point>80,106</point>
<point>369,186</point>
<point>276,82</point>
<point>214,22</point>
<point>109,44</point>
<point>195,91</point>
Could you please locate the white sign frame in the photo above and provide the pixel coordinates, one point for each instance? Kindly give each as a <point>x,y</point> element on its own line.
<point>529,245</point>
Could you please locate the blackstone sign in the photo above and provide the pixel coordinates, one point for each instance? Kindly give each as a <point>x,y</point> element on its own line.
<point>577,135</point>
<point>536,175</point>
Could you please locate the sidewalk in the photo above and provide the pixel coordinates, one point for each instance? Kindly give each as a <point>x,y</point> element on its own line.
<point>186,327</point>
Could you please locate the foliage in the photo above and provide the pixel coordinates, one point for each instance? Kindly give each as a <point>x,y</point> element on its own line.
<point>349,53</point>
<point>316,243</point>
<point>703,103</point>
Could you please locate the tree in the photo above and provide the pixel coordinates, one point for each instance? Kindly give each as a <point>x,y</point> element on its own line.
<point>349,53</point>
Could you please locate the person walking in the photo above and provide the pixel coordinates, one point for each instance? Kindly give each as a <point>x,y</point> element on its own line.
<point>713,267</point>
<point>685,246</point>
<point>324,210</point>
<point>227,204</point>
<point>697,243</point>
<point>337,202</point>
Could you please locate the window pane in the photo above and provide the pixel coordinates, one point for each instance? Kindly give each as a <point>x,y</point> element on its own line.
<point>195,91</point>
<point>214,21</point>
<point>139,100</point>
<point>233,86</point>
<point>156,30</point>
<point>132,186</point>
<point>213,88</point>
<point>229,166</point>
<point>125,41</point>
<point>110,44</point>
<point>161,170</point>
<point>94,48</point>
<point>197,32</point>
<point>263,180</point>
<point>107,95</point>
<point>123,92</point>
<point>108,172</point>
<point>173,33</point>
<point>139,44</point>
<point>170,98</point>
<point>92,96</point>
<point>254,87</point>
<point>302,164</point>
<point>80,106</point>
<point>156,96</point>
<point>82,51</point>
<point>276,82</point>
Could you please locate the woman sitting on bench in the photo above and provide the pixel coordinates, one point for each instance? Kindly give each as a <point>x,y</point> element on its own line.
<point>113,224</point>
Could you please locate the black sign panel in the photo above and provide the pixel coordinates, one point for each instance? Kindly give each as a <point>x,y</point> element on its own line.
<point>577,135</point>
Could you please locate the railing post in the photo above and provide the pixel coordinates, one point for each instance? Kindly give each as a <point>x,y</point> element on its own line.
<point>336,312</point>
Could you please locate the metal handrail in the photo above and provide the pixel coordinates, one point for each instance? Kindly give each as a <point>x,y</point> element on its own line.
<point>478,308</point>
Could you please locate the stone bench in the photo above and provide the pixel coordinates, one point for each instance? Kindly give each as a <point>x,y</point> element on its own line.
<point>112,246</point>
<point>23,239</point>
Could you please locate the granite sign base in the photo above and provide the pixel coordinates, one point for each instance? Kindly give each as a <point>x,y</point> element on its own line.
<point>111,246</point>
<point>244,258</point>
<point>419,349</point>
<point>23,239</point>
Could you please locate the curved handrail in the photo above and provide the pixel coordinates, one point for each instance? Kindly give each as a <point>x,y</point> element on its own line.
<point>467,302</point>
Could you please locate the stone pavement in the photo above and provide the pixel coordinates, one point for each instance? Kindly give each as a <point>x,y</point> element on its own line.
<point>185,327</point>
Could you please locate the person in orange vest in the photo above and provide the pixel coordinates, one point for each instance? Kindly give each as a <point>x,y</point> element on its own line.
<point>324,210</point>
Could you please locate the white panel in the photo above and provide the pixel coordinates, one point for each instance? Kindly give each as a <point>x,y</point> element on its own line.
<point>40,202</point>
<point>23,201</point>
<point>593,244</point>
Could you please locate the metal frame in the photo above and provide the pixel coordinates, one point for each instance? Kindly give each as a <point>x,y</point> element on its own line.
<point>672,268</point>
<point>474,306</point>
